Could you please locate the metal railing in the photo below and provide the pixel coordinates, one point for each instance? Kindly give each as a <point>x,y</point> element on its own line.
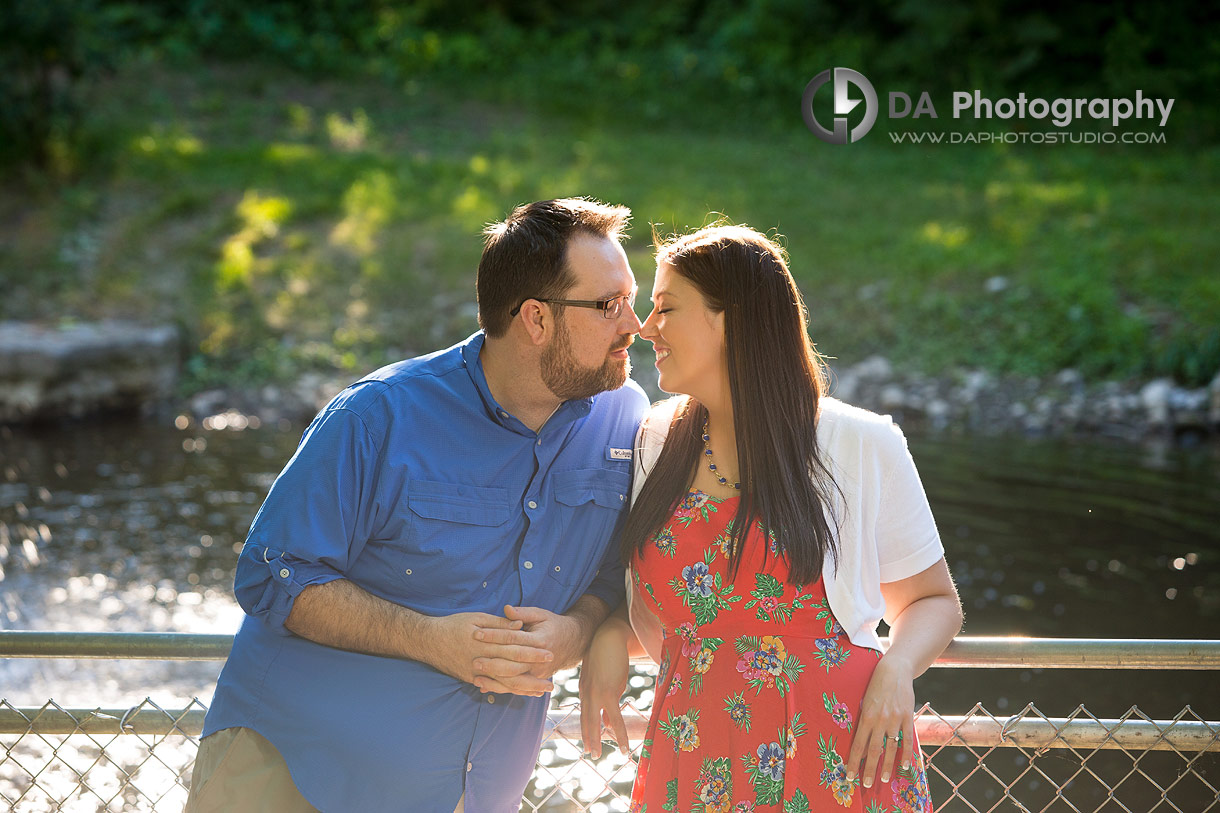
<point>140,758</point>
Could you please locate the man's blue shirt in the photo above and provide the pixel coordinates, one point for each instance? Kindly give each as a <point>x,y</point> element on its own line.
<point>418,487</point>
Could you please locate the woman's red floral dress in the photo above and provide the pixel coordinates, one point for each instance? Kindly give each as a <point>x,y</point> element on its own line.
<point>759,687</point>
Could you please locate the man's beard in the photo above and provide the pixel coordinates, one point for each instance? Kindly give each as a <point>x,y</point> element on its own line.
<point>564,376</point>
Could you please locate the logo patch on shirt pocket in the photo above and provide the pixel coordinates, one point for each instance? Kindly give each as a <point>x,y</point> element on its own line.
<point>617,454</point>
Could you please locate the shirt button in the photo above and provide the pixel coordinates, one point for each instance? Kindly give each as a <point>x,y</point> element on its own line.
<point>408,571</point>
<point>532,504</point>
<point>469,766</point>
<point>539,441</point>
<point>484,584</point>
<point>284,573</point>
<point>556,568</point>
<point>529,565</point>
<point>622,497</point>
<point>491,698</point>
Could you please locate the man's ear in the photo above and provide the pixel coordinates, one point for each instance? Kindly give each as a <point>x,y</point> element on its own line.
<point>538,321</point>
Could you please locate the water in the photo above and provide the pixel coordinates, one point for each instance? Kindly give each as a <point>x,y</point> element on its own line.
<point>119,524</point>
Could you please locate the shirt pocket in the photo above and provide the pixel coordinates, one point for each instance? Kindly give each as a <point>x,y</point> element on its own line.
<point>591,502</point>
<point>456,536</point>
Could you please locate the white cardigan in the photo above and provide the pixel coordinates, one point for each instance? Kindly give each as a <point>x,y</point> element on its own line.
<point>886,529</point>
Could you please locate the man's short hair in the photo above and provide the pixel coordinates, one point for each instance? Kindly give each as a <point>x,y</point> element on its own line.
<point>525,256</point>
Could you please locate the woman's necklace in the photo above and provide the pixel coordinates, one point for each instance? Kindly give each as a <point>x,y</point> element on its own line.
<point>707,451</point>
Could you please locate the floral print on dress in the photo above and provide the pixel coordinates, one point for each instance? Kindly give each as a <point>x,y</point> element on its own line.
<point>665,542</point>
<point>702,661</point>
<point>739,710</point>
<point>703,592</point>
<point>683,730</point>
<point>765,663</point>
<point>767,593</point>
<point>671,795</point>
<point>838,710</point>
<point>760,687</point>
<point>767,765</point>
<point>714,786</point>
<point>694,505</point>
<point>830,653</point>
<point>910,788</point>
<point>834,774</point>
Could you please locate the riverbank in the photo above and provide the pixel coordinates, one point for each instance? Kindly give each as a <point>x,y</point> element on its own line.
<point>962,402</point>
<point>79,369</point>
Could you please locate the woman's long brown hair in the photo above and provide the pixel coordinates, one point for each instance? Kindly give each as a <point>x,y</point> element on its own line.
<point>775,380</point>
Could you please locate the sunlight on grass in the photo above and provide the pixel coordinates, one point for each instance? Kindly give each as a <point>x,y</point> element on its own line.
<point>1032,193</point>
<point>475,207</point>
<point>368,205</point>
<point>259,218</point>
<point>945,236</point>
<point>168,143</point>
<point>283,153</point>
<point>268,212</point>
<point>348,134</point>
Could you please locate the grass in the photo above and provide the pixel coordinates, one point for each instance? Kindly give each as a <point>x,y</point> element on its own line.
<point>288,224</point>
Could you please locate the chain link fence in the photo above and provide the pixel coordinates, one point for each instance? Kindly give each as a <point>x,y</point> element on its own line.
<point>140,758</point>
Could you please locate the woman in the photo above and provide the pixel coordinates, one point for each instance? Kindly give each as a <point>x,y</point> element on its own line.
<point>771,529</point>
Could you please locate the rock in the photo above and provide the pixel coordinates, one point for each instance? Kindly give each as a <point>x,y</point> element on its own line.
<point>1069,378</point>
<point>976,380</point>
<point>874,368</point>
<point>1187,400</point>
<point>71,370</point>
<point>1190,408</point>
<point>892,397</point>
<point>1155,398</point>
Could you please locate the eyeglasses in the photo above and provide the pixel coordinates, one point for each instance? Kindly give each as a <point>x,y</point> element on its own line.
<point>611,308</point>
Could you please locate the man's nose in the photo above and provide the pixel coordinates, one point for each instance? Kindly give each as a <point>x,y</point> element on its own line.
<point>630,320</point>
<point>647,329</point>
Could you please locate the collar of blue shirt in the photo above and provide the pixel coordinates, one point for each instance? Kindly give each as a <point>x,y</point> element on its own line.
<point>568,411</point>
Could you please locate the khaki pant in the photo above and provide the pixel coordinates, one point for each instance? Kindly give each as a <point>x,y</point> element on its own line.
<point>238,770</point>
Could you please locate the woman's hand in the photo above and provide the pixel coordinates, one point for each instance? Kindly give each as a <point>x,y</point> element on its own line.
<point>924,614</point>
<point>884,729</point>
<point>603,680</point>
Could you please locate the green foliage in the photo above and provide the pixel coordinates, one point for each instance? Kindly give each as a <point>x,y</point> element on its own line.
<point>50,52</point>
<point>603,58</point>
<point>289,224</point>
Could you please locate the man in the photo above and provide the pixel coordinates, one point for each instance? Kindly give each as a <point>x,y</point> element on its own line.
<point>474,489</point>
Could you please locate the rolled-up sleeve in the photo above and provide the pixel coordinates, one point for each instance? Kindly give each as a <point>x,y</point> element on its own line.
<point>315,520</point>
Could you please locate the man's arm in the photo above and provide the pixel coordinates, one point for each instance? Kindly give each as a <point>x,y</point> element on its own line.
<point>342,615</point>
<point>567,636</point>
